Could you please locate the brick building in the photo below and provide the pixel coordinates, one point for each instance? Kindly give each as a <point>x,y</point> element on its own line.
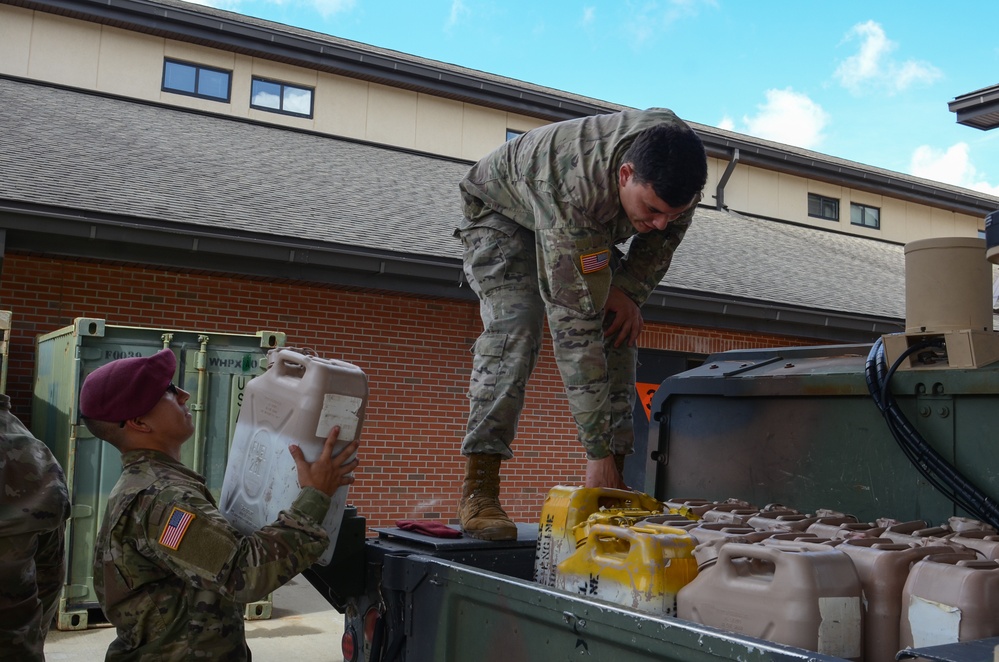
<point>126,196</point>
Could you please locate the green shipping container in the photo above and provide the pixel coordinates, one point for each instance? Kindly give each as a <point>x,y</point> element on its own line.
<point>213,367</point>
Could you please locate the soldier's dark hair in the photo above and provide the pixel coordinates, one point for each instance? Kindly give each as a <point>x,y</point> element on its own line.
<point>109,432</point>
<point>671,157</point>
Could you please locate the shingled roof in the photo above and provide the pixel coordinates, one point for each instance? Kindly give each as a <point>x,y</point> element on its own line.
<point>87,175</point>
<point>226,30</point>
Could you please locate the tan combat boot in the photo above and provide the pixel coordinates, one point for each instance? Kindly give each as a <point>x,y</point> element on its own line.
<point>479,510</point>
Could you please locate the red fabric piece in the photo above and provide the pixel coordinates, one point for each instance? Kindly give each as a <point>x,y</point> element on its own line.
<point>428,527</point>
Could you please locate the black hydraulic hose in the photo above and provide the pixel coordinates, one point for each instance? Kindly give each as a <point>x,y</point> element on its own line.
<point>929,463</point>
<point>962,492</point>
<point>940,473</point>
<point>875,374</point>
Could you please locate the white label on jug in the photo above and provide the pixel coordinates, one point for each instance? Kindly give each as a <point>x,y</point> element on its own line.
<point>933,623</point>
<point>839,631</point>
<point>339,410</point>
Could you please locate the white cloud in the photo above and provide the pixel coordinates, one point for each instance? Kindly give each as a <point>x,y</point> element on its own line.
<point>788,117</point>
<point>952,166</point>
<point>329,7</point>
<point>874,69</point>
<point>726,123</point>
<point>458,12</point>
<point>648,20</point>
<point>589,13</point>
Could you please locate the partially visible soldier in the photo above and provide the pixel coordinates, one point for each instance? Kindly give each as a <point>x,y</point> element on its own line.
<point>544,216</point>
<point>34,507</point>
<point>170,572</point>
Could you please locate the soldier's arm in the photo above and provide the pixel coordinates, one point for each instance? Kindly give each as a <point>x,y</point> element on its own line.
<point>575,275</point>
<point>648,259</point>
<point>50,570</point>
<point>187,534</point>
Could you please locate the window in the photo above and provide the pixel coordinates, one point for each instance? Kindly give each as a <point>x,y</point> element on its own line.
<point>868,217</point>
<point>822,207</point>
<point>281,98</point>
<point>511,134</point>
<point>196,80</point>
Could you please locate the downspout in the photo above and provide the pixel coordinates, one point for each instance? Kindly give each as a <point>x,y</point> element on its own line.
<point>720,191</point>
<point>199,408</point>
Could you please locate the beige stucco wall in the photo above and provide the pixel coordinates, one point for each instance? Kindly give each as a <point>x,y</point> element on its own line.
<point>762,192</point>
<point>86,55</point>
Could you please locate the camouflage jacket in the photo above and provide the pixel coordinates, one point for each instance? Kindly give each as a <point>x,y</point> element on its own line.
<point>34,507</point>
<point>173,575</point>
<point>561,182</point>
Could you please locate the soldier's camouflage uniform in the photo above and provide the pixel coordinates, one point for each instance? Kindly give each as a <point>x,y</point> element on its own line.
<point>34,507</point>
<point>542,220</point>
<point>173,575</point>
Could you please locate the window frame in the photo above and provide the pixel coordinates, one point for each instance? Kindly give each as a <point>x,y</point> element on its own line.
<point>823,200</point>
<point>197,74</point>
<point>512,134</point>
<point>863,209</point>
<point>283,85</point>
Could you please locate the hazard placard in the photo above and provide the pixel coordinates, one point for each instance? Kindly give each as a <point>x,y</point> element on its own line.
<point>645,393</point>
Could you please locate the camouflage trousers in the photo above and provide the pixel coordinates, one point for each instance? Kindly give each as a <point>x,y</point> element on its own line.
<point>501,266</point>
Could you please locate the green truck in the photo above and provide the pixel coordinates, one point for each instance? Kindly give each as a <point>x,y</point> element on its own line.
<point>904,431</point>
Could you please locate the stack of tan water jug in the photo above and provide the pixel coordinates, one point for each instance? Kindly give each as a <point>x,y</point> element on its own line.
<point>820,581</point>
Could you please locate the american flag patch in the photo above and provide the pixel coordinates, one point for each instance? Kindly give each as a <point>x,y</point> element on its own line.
<point>594,261</point>
<point>176,528</point>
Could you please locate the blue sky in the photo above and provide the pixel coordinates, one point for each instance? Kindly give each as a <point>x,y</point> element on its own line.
<point>865,81</point>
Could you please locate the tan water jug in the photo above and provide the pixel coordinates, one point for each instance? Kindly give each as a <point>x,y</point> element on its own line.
<point>986,544</point>
<point>809,599</point>
<point>730,517</point>
<point>297,401</point>
<point>779,521</point>
<point>883,567</point>
<point>695,508</point>
<point>901,532</point>
<point>710,536</point>
<point>846,530</point>
<point>950,598</point>
<point>964,524</point>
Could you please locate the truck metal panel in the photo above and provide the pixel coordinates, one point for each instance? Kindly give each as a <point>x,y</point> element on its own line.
<point>798,426</point>
<point>467,599</point>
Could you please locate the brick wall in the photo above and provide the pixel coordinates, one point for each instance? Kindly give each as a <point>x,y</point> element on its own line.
<point>415,352</point>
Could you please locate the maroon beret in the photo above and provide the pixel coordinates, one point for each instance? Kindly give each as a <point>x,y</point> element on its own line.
<point>126,388</point>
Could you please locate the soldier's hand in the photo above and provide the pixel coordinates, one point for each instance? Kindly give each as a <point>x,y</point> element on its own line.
<point>331,471</point>
<point>604,473</point>
<point>625,318</point>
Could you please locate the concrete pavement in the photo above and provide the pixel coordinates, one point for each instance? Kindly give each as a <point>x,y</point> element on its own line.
<point>302,627</point>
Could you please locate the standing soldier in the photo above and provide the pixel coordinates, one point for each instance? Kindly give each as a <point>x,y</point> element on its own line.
<point>544,215</point>
<point>34,507</point>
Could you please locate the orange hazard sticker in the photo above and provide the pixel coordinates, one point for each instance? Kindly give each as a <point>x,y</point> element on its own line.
<point>645,393</point>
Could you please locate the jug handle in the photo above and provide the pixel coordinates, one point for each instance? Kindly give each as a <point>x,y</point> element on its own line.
<point>732,550</point>
<point>290,364</point>
<point>599,532</point>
